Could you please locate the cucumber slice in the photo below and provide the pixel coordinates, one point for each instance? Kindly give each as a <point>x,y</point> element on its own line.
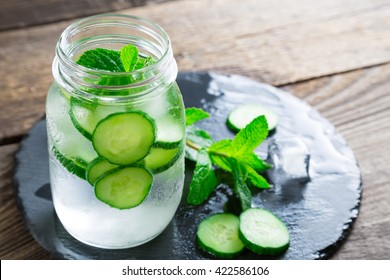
<point>219,235</point>
<point>69,146</point>
<point>98,168</point>
<point>76,166</point>
<point>86,115</point>
<point>170,132</point>
<point>160,159</point>
<point>82,117</point>
<point>244,114</point>
<point>124,138</point>
<point>262,232</point>
<point>124,188</point>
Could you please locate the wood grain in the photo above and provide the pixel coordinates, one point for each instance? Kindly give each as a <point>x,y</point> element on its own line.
<point>22,13</point>
<point>278,42</point>
<point>333,54</point>
<point>15,240</point>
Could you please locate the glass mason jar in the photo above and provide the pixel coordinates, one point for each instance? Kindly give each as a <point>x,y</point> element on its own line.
<point>102,201</point>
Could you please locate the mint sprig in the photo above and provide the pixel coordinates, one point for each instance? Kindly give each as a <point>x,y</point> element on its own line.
<point>235,156</point>
<point>125,60</point>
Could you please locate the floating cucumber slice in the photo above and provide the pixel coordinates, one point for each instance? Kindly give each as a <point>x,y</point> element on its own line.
<point>83,117</point>
<point>69,145</point>
<point>160,159</point>
<point>124,188</point>
<point>124,138</point>
<point>262,232</point>
<point>218,235</point>
<point>86,115</point>
<point>244,114</point>
<point>76,166</point>
<point>170,132</point>
<point>167,101</point>
<point>98,168</point>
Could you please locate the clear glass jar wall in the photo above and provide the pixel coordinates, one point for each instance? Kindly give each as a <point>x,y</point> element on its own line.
<point>77,103</point>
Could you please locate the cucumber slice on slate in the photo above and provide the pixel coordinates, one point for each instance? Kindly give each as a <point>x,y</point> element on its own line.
<point>219,235</point>
<point>263,233</point>
<point>244,114</point>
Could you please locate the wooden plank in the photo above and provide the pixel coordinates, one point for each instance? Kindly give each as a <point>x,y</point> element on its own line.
<point>278,42</point>
<point>358,103</point>
<point>15,240</point>
<point>22,13</point>
<point>297,42</point>
<point>366,130</point>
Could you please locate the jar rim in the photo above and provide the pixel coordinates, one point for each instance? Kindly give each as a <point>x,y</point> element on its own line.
<point>66,69</point>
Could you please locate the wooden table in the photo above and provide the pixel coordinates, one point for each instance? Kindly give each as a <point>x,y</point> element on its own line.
<point>334,54</point>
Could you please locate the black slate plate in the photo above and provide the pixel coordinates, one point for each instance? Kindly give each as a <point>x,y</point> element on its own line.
<point>319,214</point>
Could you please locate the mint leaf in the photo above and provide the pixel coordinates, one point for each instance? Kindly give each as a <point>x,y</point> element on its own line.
<point>219,151</point>
<point>203,181</point>
<point>115,81</point>
<point>143,62</point>
<point>101,59</point>
<point>129,57</point>
<point>222,146</point>
<point>199,136</point>
<point>256,179</point>
<point>250,136</point>
<point>240,188</point>
<point>196,137</point>
<point>232,155</point>
<point>254,161</point>
<point>194,115</point>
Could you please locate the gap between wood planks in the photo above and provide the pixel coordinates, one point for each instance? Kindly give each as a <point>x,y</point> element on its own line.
<point>17,138</point>
<point>332,74</point>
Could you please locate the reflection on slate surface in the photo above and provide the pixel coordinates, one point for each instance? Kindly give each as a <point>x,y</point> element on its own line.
<point>319,214</point>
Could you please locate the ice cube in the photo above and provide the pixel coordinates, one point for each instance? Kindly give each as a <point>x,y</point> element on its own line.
<point>290,158</point>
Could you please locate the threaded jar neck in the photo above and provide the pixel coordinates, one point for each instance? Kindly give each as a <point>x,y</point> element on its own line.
<point>112,31</point>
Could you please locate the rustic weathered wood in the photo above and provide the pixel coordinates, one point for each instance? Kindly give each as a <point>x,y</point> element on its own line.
<point>333,54</point>
<point>278,42</point>
<point>22,13</point>
<point>15,240</point>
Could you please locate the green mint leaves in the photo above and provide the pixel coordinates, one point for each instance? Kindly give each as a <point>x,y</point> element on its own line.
<point>125,60</point>
<point>204,180</point>
<point>232,155</point>
<point>194,115</point>
<point>129,57</point>
<point>240,188</point>
<point>101,59</point>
